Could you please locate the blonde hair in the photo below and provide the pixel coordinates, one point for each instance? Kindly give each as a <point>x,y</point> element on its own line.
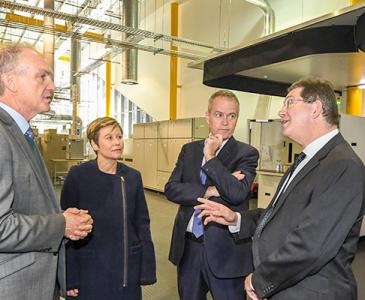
<point>93,129</point>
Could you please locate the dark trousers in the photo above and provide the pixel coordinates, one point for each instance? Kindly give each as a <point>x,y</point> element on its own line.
<point>195,278</point>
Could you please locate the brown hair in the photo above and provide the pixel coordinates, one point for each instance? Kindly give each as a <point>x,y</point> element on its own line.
<point>93,129</point>
<point>322,90</point>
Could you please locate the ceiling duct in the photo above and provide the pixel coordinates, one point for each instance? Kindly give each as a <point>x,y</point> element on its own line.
<point>130,56</point>
<point>269,16</point>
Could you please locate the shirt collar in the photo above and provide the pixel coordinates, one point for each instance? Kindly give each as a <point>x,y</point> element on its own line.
<point>317,144</point>
<point>220,148</point>
<point>18,118</point>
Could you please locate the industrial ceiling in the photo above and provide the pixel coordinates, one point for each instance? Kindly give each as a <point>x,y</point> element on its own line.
<point>99,21</point>
<point>330,47</point>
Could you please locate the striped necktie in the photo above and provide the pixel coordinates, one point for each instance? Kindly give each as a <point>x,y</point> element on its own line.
<point>197,222</point>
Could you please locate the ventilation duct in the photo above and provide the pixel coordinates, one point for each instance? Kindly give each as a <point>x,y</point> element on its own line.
<point>49,38</point>
<point>269,16</point>
<point>130,56</point>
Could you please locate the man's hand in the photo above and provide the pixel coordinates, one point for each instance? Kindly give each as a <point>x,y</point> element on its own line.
<point>211,145</point>
<point>72,293</point>
<point>249,290</point>
<point>216,212</point>
<point>78,223</point>
<point>211,192</point>
<point>238,175</point>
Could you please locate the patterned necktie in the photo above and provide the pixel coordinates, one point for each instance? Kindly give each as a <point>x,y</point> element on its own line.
<point>29,133</point>
<point>270,210</point>
<point>29,136</point>
<point>198,222</point>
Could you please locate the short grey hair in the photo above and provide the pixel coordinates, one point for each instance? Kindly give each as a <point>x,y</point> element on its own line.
<point>9,59</point>
<point>223,93</point>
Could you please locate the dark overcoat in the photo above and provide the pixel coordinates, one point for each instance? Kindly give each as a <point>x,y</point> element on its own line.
<point>98,265</point>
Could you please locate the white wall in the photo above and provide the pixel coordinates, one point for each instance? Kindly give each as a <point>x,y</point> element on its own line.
<point>224,23</point>
<point>289,13</point>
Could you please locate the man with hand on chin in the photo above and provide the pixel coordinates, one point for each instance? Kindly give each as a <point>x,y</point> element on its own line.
<point>221,169</point>
<point>305,241</point>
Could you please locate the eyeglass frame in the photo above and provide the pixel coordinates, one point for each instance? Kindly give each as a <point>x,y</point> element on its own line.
<point>289,101</point>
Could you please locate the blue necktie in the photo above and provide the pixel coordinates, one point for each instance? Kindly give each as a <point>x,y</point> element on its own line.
<point>197,222</point>
<point>29,133</point>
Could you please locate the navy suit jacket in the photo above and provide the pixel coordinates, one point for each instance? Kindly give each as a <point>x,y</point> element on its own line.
<point>226,258</point>
<point>306,249</point>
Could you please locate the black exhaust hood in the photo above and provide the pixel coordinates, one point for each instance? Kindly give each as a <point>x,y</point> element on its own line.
<point>330,47</point>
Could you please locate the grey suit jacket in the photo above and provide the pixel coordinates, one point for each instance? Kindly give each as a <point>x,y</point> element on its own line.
<point>31,223</point>
<point>306,249</point>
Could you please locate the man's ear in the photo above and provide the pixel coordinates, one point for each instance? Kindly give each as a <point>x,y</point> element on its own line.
<point>317,109</point>
<point>9,82</point>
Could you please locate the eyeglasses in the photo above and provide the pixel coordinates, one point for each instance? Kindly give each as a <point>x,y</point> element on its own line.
<point>230,117</point>
<point>289,101</point>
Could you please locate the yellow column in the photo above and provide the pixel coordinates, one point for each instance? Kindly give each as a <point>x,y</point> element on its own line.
<point>354,101</point>
<point>173,62</point>
<point>352,2</point>
<point>108,86</point>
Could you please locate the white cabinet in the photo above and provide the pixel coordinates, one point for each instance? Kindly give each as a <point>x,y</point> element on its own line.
<point>163,155</point>
<point>138,154</point>
<point>268,183</point>
<point>162,178</point>
<point>150,164</point>
<point>157,145</point>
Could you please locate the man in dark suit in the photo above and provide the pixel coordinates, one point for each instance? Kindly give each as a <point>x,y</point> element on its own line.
<point>221,169</point>
<point>305,241</point>
<point>32,225</point>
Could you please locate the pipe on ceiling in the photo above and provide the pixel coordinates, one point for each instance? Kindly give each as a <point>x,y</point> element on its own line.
<point>130,56</point>
<point>269,15</point>
<point>49,38</point>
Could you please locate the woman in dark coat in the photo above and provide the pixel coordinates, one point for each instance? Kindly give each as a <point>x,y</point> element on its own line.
<point>118,256</point>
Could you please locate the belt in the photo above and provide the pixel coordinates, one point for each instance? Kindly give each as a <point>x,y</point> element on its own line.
<point>192,237</point>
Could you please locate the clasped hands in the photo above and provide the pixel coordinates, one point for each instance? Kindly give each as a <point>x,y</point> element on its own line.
<point>78,223</point>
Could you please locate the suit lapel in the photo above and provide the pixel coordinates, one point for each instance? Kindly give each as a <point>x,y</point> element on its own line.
<point>313,163</point>
<point>228,151</point>
<point>197,161</point>
<point>26,149</point>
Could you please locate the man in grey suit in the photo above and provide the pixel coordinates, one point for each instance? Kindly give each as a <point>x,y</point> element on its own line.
<point>304,242</point>
<point>32,226</point>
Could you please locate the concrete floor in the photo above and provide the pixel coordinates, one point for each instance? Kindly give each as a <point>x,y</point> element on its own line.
<point>162,213</point>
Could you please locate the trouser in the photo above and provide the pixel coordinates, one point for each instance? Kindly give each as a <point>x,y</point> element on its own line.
<point>195,278</point>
